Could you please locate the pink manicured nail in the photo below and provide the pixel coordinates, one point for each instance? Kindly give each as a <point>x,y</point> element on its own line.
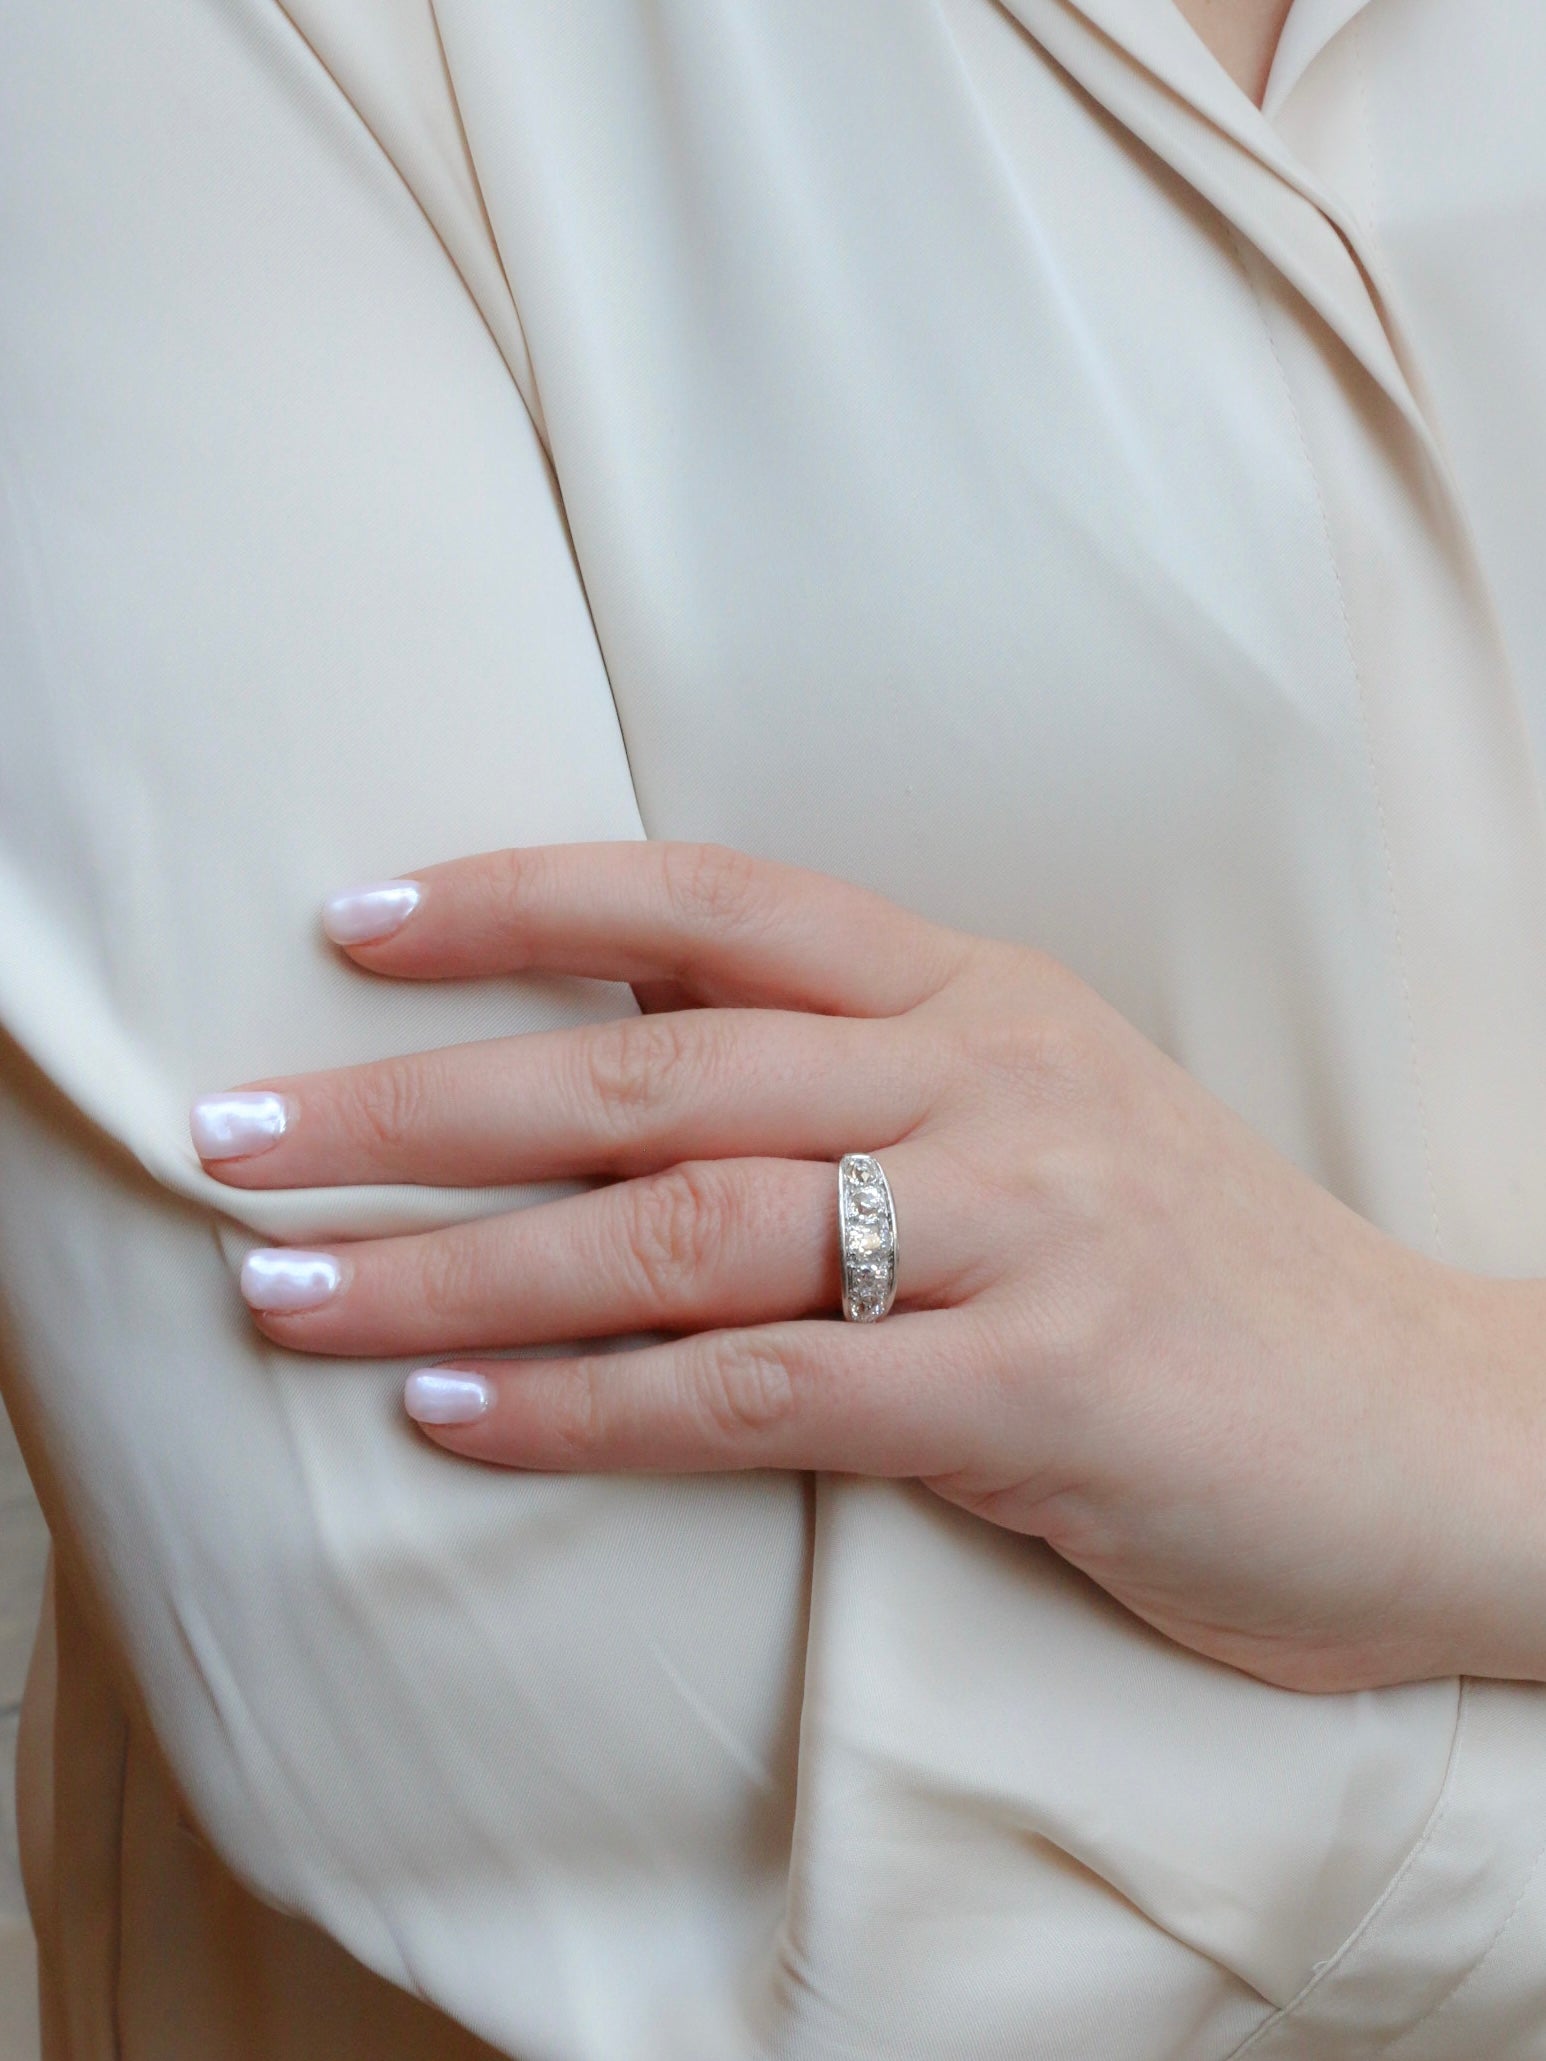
<point>365,915</point>
<point>279,1278</point>
<point>236,1126</point>
<point>439,1395</point>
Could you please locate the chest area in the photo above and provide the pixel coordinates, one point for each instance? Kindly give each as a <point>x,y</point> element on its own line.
<point>935,485</point>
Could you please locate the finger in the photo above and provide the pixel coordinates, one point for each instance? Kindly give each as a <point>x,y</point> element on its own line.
<point>707,1243</point>
<point>895,1398</point>
<point>608,1098</point>
<point>723,925</point>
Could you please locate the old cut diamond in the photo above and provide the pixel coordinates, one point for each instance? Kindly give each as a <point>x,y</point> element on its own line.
<point>864,1239</point>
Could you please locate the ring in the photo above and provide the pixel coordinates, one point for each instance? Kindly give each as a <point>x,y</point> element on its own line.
<point>866,1219</point>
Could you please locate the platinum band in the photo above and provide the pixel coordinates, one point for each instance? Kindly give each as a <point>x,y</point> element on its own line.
<point>866,1219</point>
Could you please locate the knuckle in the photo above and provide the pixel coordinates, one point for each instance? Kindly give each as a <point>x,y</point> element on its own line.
<point>1075,1177</point>
<point>513,876</point>
<point>573,1422</point>
<point>679,1228</point>
<point>1067,1344</point>
<point>709,886</point>
<point>452,1277</point>
<point>386,1105</point>
<point>1043,1052</point>
<point>742,1388</point>
<point>632,1069</point>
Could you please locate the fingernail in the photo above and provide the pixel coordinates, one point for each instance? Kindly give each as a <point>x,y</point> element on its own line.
<point>278,1278</point>
<point>364,915</point>
<point>231,1126</point>
<point>436,1395</point>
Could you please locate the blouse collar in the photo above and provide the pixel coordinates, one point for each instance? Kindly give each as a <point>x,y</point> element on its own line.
<point>1143,61</point>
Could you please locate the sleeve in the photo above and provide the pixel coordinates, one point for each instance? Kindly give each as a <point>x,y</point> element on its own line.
<point>287,600</point>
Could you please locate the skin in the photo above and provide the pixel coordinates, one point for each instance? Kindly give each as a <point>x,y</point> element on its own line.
<point>1243,36</point>
<point>1124,1324</point>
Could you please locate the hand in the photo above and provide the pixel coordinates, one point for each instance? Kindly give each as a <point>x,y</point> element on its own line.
<point>1124,1323</point>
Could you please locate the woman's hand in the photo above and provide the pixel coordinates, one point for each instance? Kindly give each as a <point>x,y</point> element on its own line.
<point>1124,1323</point>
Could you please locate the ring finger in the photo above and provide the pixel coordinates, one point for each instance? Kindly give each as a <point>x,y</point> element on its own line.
<point>704,1243</point>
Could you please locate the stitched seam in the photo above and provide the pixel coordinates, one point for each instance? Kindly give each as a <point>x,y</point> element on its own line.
<point>1476,1967</point>
<point>1323,1970</point>
<point>1366,735</point>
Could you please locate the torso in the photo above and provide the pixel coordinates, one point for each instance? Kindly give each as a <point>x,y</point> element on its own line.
<point>966,501</point>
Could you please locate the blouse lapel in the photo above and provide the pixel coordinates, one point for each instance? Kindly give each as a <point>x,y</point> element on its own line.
<point>1143,61</point>
<point>1310,27</point>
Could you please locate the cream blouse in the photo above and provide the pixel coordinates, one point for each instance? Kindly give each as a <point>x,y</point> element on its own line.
<point>967,447</point>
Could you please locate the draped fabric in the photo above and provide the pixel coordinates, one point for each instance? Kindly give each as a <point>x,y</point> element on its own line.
<point>966,447</point>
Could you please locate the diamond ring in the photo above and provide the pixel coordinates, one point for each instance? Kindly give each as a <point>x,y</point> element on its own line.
<point>867,1237</point>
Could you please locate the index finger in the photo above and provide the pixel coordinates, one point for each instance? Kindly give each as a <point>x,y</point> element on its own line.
<point>728,927</point>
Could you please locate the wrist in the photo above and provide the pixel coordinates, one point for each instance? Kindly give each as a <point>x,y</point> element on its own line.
<point>1494,1426</point>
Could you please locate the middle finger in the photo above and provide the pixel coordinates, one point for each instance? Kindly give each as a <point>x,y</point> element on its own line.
<point>609,1098</point>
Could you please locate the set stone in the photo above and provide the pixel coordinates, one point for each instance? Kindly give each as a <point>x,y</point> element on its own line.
<point>868,1232</point>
